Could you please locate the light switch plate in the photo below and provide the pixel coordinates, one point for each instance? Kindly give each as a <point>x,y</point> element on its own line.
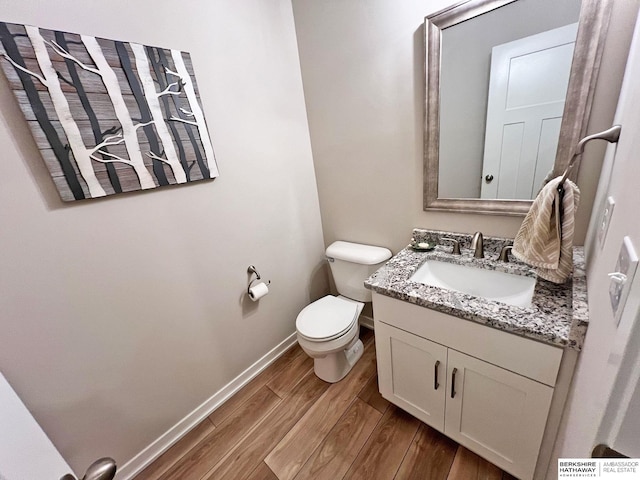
<point>619,290</point>
<point>605,219</point>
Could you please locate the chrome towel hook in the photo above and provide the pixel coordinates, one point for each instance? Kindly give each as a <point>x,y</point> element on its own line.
<point>251,269</point>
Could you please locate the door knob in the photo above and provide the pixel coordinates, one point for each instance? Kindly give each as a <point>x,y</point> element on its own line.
<point>488,178</point>
<point>103,469</point>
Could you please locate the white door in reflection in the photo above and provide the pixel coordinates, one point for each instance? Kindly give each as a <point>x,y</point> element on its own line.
<point>527,91</point>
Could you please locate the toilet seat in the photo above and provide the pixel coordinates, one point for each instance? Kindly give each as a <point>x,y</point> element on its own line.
<point>327,319</point>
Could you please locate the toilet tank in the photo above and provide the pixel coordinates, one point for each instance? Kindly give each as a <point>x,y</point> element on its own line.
<point>351,264</point>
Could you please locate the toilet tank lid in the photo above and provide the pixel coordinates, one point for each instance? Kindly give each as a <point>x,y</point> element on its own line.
<point>358,253</point>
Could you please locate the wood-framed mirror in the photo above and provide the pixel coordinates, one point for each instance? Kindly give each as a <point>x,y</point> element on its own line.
<point>476,94</point>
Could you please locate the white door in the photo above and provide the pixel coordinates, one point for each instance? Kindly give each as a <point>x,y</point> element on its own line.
<point>496,413</point>
<point>25,450</point>
<point>527,90</point>
<point>411,373</point>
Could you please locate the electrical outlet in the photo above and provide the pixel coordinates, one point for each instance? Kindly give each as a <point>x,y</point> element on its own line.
<point>622,278</point>
<point>605,219</point>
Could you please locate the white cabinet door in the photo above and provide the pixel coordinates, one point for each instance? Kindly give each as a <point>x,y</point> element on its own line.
<point>411,373</point>
<point>496,413</point>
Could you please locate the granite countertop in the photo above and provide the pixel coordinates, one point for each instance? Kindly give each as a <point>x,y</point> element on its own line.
<point>558,314</point>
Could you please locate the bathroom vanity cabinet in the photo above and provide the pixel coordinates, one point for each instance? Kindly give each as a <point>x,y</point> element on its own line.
<point>489,390</point>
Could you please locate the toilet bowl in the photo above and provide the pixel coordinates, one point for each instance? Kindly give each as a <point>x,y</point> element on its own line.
<point>328,329</point>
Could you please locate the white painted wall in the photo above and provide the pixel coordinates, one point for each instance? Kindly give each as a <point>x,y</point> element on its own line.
<point>120,316</point>
<point>363,70</point>
<point>603,351</point>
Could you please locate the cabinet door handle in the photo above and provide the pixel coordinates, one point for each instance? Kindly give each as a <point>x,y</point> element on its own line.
<point>453,382</point>
<point>435,375</point>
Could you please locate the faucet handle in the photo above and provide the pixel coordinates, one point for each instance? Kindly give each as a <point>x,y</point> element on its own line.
<point>504,253</point>
<point>456,245</point>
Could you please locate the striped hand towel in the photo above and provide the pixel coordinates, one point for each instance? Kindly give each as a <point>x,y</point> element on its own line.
<point>545,238</point>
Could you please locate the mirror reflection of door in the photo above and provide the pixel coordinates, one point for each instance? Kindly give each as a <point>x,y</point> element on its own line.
<point>527,90</point>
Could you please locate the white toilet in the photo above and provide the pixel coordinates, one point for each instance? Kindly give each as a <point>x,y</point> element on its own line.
<point>328,329</point>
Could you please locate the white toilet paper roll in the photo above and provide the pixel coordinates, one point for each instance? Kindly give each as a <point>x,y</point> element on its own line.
<point>258,291</point>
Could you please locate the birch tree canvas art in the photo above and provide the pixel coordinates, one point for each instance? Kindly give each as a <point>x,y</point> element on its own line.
<point>108,116</point>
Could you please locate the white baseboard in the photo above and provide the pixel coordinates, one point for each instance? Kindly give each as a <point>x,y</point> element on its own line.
<point>175,433</point>
<point>366,322</point>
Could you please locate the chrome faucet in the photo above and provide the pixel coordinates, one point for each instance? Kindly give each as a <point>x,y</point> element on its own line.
<point>477,245</point>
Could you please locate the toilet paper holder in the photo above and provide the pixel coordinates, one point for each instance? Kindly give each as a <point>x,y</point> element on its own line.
<point>251,269</point>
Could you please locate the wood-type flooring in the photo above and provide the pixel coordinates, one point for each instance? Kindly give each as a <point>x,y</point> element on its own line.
<point>287,424</point>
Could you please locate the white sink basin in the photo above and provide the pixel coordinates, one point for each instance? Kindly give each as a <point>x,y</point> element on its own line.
<point>497,286</point>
